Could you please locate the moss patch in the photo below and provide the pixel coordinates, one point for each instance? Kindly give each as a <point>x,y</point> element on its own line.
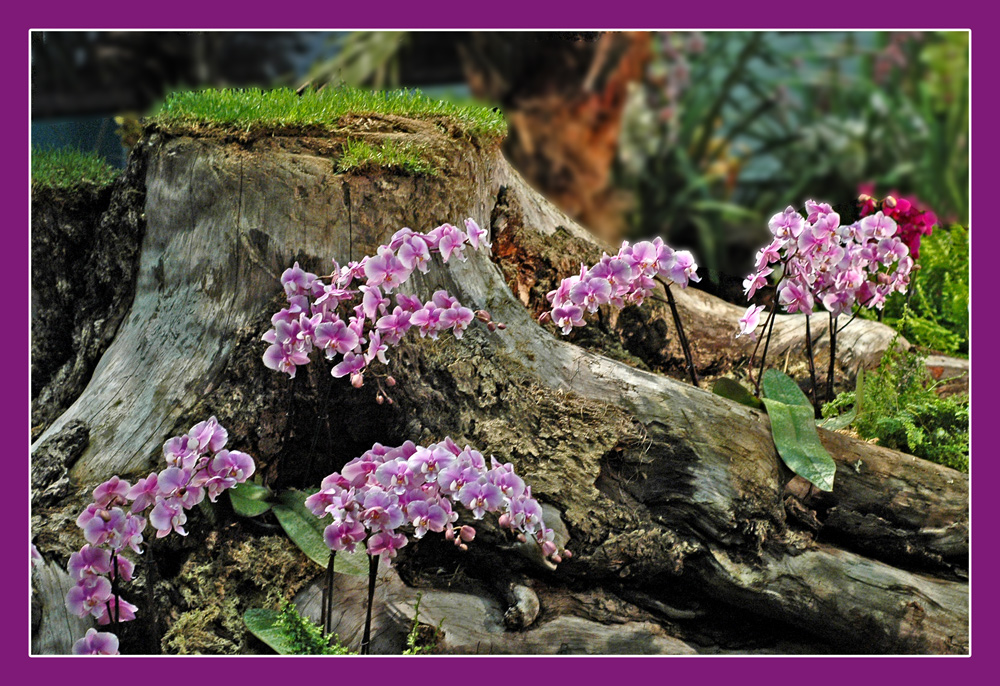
<point>247,110</point>
<point>362,156</point>
<point>69,168</point>
<point>222,580</point>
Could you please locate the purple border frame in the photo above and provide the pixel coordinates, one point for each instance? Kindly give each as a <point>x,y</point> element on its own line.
<point>511,14</point>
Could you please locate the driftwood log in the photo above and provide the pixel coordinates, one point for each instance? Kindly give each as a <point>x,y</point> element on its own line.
<point>681,517</point>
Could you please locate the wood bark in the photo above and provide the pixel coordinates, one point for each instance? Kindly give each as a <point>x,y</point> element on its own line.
<point>666,491</point>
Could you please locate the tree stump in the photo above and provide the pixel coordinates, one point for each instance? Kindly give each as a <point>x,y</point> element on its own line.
<point>670,494</point>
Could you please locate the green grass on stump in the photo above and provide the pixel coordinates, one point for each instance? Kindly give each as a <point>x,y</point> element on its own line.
<point>64,168</point>
<point>246,109</point>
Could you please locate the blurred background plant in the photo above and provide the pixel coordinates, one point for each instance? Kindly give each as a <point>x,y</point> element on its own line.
<point>695,137</point>
<point>896,404</point>
<point>729,128</point>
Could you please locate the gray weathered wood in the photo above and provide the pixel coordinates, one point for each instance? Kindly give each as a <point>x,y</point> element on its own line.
<point>652,476</point>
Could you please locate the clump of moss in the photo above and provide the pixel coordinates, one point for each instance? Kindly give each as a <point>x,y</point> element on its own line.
<point>225,578</point>
<point>897,406</point>
<point>282,108</point>
<point>359,155</point>
<point>305,637</point>
<point>66,168</point>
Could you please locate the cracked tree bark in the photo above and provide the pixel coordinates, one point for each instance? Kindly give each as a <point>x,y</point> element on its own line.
<point>666,490</point>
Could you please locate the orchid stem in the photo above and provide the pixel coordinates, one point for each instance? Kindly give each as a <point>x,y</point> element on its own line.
<point>327,618</point>
<point>681,336</point>
<point>833,357</point>
<point>812,367</point>
<point>366,637</point>
<point>769,325</point>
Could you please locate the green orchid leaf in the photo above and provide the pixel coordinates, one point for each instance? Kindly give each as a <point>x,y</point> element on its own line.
<point>249,499</point>
<point>735,391</point>
<point>781,387</point>
<point>264,625</point>
<point>794,430</point>
<point>841,421</point>
<point>306,531</point>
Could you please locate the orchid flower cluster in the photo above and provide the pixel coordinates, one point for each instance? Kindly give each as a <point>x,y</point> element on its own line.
<point>388,488</point>
<point>311,320</point>
<point>627,278</point>
<point>198,465</point>
<point>913,222</point>
<point>822,261</point>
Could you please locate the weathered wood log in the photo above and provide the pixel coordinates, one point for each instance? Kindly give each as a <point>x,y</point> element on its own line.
<point>657,481</point>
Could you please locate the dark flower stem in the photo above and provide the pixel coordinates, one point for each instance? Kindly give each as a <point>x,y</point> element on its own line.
<point>833,357</point>
<point>769,325</point>
<point>812,367</point>
<point>681,336</point>
<point>366,637</point>
<point>327,612</point>
<point>114,591</point>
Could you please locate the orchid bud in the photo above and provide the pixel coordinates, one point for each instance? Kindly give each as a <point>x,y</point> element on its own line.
<point>889,201</point>
<point>379,398</point>
<point>501,326</point>
<point>467,533</point>
<point>491,327</point>
<point>567,554</point>
<point>390,381</point>
<point>357,380</point>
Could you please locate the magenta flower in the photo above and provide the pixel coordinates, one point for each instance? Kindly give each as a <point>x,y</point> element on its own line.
<point>480,498</point>
<point>477,236</point>
<point>296,281</point>
<point>112,492</point>
<point>123,610</point>
<point>426,517</point>
<point>344,535</point>
<point>144,492</point>
<point>456,318</point>
<point>590,293</point>
<point>414,254</point>
<point>209,435</point>
<point>755,281</point>
<point>795,297</point>
<point>385,543</point>
<point>787,225</point>
<point>351,364</point>
<point>96,643</point>
<point>335,338</point>
<point>168,515</point>
<point>451,242</point>
<point>385,270</point>
<point>89,561</point>
<point>89,596</point>
<point>750,320</point>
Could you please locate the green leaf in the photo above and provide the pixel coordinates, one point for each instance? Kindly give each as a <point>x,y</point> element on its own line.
<point>841,421</point>
<point>794,430</point>
<point>249,499</point>
<point>735,391</point>
<point>264,625</point>
<point>306,531</point>
<point>781,387</point>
